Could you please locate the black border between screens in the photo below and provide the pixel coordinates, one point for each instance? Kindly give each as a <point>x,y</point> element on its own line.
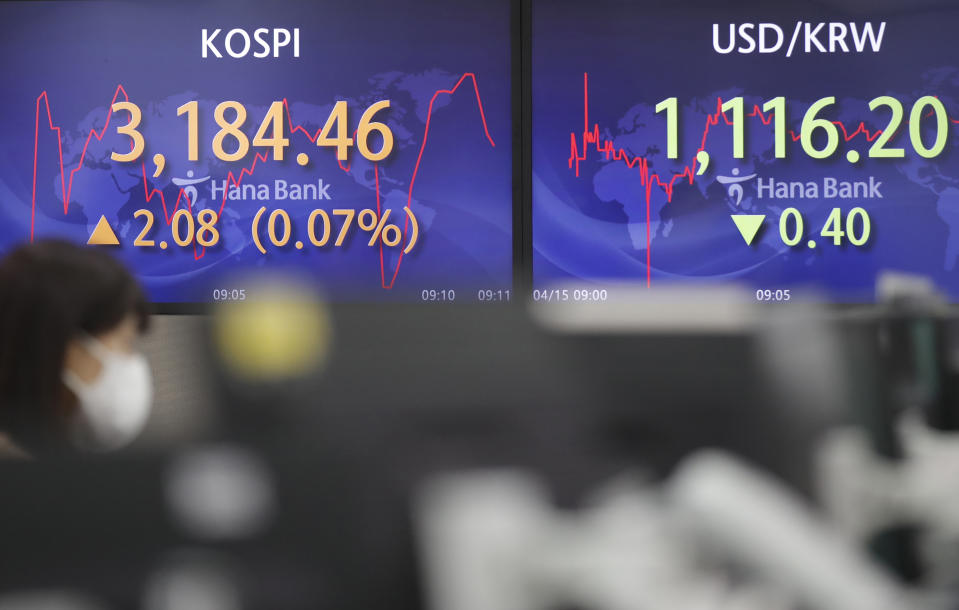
<point>522,150</point>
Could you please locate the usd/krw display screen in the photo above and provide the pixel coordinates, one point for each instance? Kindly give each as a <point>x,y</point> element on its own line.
<point>794,147</point>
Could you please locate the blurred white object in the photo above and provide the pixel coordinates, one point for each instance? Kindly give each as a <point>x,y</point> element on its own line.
<point>198,581</point>
<point>670,309</point>
<point>772,532</point>
<point>865,493</point>
<point>491,541</point>
<point>893,285</point>
<point>115,406</point>
<point>220,492</point>
<point>474,531</point>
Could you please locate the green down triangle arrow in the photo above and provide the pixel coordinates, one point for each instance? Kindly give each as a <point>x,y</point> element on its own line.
<point>748,225</point>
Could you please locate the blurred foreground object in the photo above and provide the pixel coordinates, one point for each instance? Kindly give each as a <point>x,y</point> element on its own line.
<point>72,376</point>
<point>282,332</point>
<point>718,536</point>
<point>268,355</point>
<point>891,481</point>
<point>303,498</point>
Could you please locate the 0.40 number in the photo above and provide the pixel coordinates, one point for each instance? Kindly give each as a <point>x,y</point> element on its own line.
<point>857,227</point>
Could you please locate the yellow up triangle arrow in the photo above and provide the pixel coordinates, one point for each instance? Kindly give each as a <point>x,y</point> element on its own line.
<point>103,234</point>
<point>748,225</point>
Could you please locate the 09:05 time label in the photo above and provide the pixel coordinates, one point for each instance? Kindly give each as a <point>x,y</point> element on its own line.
<point>774,296</point>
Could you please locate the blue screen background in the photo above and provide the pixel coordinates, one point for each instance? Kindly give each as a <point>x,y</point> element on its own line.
<point>361,51</point>
<point>593,227</point>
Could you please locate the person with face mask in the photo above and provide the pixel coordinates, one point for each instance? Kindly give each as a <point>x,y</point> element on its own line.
<point>71,377</point>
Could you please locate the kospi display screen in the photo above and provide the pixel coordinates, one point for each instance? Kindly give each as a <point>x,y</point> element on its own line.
<point>794,147</point>
<point>365,143</point>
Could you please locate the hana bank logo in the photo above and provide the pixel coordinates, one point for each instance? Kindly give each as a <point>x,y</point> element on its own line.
<point>827,187</point>
<point>188,185</point>
<point>734,185</point>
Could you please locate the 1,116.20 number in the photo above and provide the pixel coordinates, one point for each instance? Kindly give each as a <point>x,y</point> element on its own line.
<point>926,107</point>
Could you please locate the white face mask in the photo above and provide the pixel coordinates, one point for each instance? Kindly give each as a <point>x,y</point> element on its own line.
<point>115,406</point>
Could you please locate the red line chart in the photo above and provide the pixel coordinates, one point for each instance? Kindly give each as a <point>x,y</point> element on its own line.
<point>591,141</point>
<point>233,179</point>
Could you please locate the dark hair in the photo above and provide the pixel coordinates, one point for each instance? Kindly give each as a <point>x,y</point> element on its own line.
<point>51,292</point>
